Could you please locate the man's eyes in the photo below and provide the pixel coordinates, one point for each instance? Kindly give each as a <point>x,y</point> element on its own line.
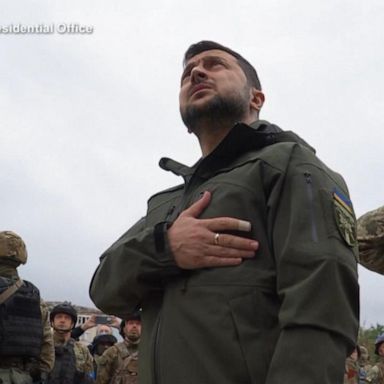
<point>208,64</point>
<point>186,74</point>
<point>214,62</point>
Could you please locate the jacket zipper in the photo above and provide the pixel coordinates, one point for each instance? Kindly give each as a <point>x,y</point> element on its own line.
<point>170,213</point>
<point>156,354</point>
<point>308,180</point>
<point>155,357</point>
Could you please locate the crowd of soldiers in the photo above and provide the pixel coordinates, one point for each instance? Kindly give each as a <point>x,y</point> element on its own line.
<point>358,367</point>
<point>41,347</point>
<point>38,346</point>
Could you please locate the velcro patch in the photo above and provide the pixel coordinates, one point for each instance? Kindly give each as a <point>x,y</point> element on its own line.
<point>345,217</point>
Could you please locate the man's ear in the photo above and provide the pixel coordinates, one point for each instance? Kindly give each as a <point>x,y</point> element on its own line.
<point>257,99</point>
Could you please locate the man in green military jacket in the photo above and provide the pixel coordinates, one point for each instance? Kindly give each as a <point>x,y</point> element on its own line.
<point>246,272</point>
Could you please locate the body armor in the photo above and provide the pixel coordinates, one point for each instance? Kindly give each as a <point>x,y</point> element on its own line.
<point>21,328</point>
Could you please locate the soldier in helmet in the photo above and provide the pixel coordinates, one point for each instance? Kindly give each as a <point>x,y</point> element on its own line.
<point>119,363</point>
<point>73,361</point>
<point>370,235</point>
<point>26,344</point>
<point>376,374</point>
<point>99,345</point>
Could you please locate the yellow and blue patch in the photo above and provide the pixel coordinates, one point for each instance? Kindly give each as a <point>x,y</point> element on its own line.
<point>345,217</point>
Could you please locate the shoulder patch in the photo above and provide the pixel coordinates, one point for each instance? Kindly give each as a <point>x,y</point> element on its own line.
<point>345,217</point>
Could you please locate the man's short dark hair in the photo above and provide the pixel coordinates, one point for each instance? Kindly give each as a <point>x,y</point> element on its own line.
<point>206,45</point>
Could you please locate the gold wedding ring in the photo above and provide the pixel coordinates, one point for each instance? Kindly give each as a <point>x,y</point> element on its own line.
<point>217,236</point>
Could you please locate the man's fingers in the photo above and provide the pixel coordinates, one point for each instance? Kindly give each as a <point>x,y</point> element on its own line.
<point>223,252</point>
<point>234,242</point>
<point>197,208</point>
<point>213,261</point>
<point>227,224</point>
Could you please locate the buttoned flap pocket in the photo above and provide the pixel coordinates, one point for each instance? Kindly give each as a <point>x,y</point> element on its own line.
<point>232,198</point>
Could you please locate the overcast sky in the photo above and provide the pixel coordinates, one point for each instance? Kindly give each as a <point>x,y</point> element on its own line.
<point>84,118</point>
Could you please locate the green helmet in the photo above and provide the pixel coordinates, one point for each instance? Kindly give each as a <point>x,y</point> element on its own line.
<point>12,247</point>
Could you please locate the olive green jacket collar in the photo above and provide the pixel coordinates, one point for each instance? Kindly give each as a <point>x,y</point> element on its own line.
<point>236,146</point>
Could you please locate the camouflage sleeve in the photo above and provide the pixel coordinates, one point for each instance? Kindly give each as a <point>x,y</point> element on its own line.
<point>84,359</point>
<point>107,366</point>
<point>372,374</point>
<point>370,235</point>
<point>88,366</point>
<point>47,355</point>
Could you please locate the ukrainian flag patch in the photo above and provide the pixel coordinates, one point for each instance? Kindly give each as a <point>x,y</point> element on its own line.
<point>345,217</point>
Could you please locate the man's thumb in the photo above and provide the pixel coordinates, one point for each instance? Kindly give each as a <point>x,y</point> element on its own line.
<point>197,208</point>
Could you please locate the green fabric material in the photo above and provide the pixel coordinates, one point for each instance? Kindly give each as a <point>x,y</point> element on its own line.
<point>289,315</point>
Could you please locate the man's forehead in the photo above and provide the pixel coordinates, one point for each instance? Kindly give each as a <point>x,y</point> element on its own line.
<point>211,53</point>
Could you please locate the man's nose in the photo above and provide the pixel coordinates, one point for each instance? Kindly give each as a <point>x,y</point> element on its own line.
<point>198,74</point>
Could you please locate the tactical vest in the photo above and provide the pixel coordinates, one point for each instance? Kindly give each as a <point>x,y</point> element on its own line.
<point>128,368</point>
<point>21,327</point>
<point>64,370</point>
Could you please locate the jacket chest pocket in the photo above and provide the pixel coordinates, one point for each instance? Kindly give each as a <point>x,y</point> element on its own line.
<point>162,210</point>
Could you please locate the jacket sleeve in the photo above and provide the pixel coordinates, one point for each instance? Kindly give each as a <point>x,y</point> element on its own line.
<point>316,259</point>
<point>370,235</point>
<point>88,366</point>
<point>77,332</point>
<point>47,355</point>
<point>107,366</point>
<point>132,268</point>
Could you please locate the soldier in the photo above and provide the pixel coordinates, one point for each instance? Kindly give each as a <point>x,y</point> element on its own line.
<point>351,375</point>
<point>370,235</point>
<point>119,364</point>
<point>364,364</point>
<point>73,363</point>
<point>26,344</point>
<point>376,374</point>
<point>99,345</point>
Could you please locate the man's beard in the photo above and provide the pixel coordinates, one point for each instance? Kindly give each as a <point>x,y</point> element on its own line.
<point>133,336</point>
<point>217,111</point>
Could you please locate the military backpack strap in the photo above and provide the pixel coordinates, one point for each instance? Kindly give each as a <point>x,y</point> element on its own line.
<point>10,291</point>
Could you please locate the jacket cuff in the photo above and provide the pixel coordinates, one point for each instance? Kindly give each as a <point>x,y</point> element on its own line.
<point>160,235</point>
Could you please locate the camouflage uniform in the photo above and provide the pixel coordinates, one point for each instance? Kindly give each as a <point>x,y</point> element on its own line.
<point>351,375</point>
<point>73,361</point>
<point>82,371</point>
<point>364,364</point>
<point>99,345</point>
<point>376,374</point>
<point>112,359</point>
<point>370,235</point>
<point>20,369</point>
<point>84,360</point>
